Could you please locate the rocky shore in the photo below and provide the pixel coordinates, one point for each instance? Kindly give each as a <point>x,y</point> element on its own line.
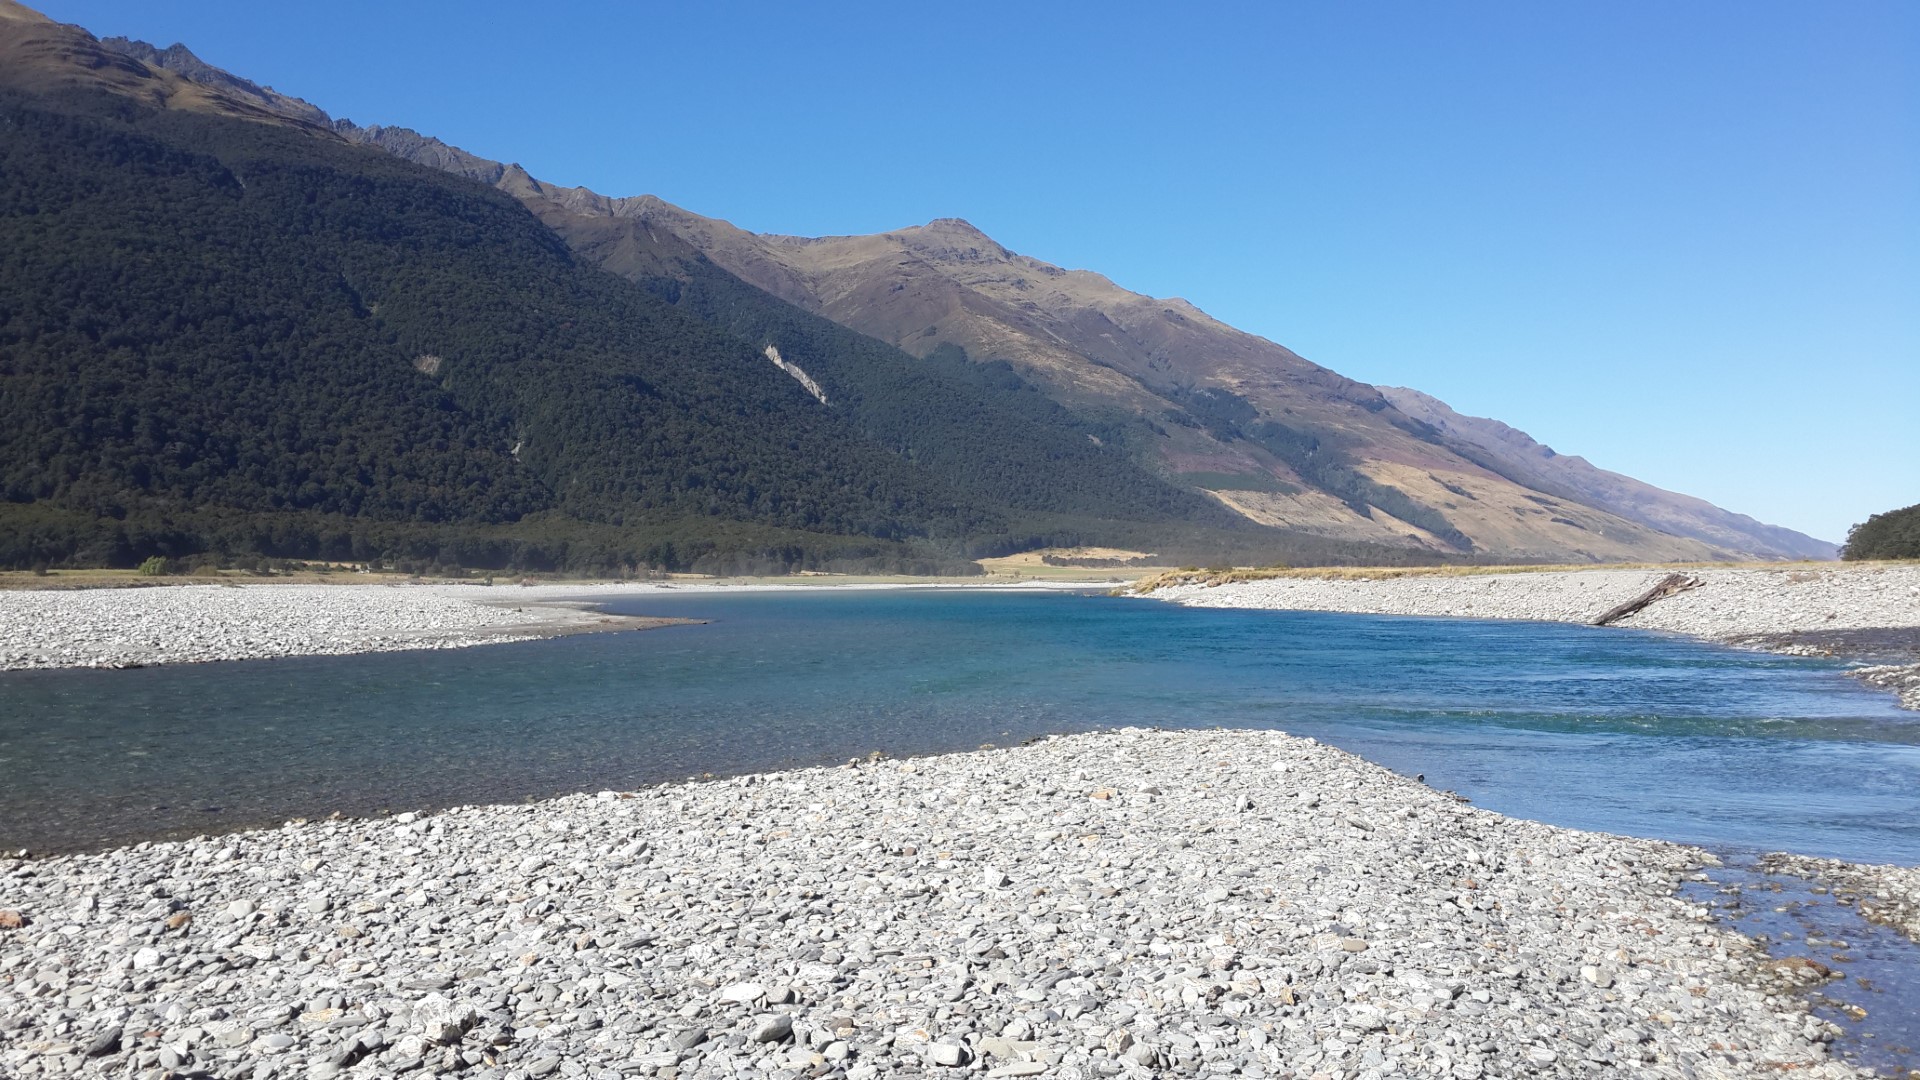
<point>1795,609</point>
<point>1889,895</point>
<point>202,623</point>
<point>1120,904</point>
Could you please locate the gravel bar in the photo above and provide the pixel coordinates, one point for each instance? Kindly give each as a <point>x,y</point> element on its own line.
<point>119,628</point>
<point>1772,609</point>
<point>1126,903</point>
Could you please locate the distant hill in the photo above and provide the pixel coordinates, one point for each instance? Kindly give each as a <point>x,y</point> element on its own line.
<point>1892,535</point>
<point>1514,454</point>
<point>216,324</point>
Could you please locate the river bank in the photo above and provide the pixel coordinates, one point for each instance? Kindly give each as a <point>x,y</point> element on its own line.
<point>1122,903</point>
<point>1869,612</point>
<point>187,624</point>
<point>205,623</point>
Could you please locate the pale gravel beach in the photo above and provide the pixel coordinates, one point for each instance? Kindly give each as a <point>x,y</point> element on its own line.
<point>188,624</point>
<point>1783,610</point>
<point>1127,903</point>
<point>1731,602</point>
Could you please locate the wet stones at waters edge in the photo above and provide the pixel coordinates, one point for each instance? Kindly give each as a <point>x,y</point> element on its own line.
<point>1117,904</point>
<point>1887,658</point>
<point>1889,895</point>
<point>1902,679</point>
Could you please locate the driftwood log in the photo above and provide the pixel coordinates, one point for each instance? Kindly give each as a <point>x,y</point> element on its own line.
<point>1667,586</point>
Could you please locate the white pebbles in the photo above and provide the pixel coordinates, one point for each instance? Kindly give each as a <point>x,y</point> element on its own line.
<point>1120,904</point>
<point>1729,603</point>
<point>198,623</point>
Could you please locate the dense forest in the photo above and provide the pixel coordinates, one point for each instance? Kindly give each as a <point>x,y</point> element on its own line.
<point>1892,535</point>
<point>208,322</point>
<point>219,335</point>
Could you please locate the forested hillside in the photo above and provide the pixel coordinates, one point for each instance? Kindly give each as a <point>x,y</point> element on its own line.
<point>218,334</point>
<point>981,427</point>
<point>210,325</point>
<point>1892,535</point>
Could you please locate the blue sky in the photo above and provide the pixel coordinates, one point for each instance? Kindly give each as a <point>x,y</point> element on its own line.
<point>1682,240</point>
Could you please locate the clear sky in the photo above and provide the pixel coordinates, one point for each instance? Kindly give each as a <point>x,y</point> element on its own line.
<point>1680,239</point>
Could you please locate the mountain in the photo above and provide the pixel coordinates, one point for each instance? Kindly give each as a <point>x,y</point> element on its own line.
<point>1892,535</point>
<point>221,328</point>
<point>211,325</point>
<point>225,326</point>
<point>42,56</point>
<point>988,401</point>
<point>1515,455</point>
<point>1272,437</point>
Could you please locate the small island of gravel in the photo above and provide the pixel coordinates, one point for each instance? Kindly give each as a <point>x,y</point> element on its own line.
<point>1121,904</point>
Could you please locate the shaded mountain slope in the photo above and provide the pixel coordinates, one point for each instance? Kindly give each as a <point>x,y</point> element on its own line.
<point>204,317</point>
<point>1515,454</point>
<point>225,326</point>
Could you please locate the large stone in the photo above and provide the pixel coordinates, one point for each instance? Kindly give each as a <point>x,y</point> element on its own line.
<point>774,1028</point>
<point>444,1021</point>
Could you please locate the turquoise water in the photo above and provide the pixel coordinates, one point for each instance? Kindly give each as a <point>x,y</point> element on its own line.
<point>1627,732</point>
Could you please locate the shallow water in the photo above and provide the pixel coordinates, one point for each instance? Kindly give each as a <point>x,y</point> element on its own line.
<point>1874,995</point>
<point>1605,729</point>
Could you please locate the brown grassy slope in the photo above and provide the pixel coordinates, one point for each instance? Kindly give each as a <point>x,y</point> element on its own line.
<point>1519,456</point>
<point>42,56</point>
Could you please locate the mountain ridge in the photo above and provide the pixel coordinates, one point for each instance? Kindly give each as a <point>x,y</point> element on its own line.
<point>1528,461</point>
<point>761,265</point>
<point>1262,432</point>
<point>223,334</point>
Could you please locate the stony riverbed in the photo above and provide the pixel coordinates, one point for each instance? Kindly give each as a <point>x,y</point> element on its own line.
<point>1793,609</point>
<point>202,623</point>
<point>1120,904</point>
<point>1730,602</point>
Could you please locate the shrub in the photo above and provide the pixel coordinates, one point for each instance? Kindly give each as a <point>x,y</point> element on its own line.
<point>156,566</point>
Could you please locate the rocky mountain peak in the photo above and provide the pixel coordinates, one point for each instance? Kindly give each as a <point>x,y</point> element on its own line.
<point>953,238</point>
<point>181,61</point>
